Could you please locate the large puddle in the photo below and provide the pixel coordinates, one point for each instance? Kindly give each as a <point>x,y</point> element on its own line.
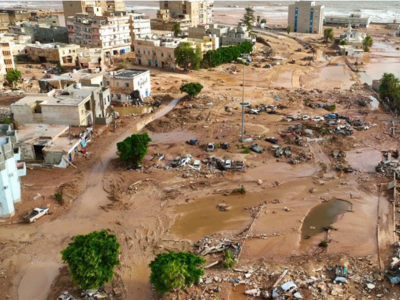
<point>336,75</point>
<point>324,214</point>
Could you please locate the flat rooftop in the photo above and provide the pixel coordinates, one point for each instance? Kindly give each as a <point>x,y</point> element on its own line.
<point>81,74</point>
<point>52,45</point>
<point>59,98</point>
<point>39,134</point>
<point>127,73</point>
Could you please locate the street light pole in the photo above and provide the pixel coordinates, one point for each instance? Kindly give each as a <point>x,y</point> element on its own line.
<point>242,135</point>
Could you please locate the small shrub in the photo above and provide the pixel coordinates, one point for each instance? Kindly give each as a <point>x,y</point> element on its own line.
<point>242,189</point>
<point>324,131</point>
<point>58,197</point>
<point>323,244</point>
<point>6,121</point>
<point>228,261</point>
<point>246,150</point>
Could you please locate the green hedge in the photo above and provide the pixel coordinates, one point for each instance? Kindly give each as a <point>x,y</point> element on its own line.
<point>223,55</point>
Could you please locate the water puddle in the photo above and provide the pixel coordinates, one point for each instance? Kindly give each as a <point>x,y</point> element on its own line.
<point>324,214</point>
<point>364,160</point>
<point>376,70</point>
<point>128,110</point>
<point>337,75</point>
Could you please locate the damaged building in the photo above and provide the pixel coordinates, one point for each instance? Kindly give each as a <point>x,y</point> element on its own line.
<point>76,105</point>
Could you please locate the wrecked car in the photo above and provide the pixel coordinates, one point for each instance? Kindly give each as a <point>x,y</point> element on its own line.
<point>286,291</point>
<point>35,214</point>
<point>357,123</point>
<point>253,111</point>
<point>210,147</point>
<point>318,119</point>
<point>225,146</point>
<point>331,116</point>
<point>256,148</point>
<point>193,142</point>
<point>272,140</point>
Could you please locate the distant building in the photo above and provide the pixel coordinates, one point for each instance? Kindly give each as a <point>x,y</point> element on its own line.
<point>10,172</point>
<point>205,44</point>
<point>140,25</point>
<point>71,8</point>
<point>306,17</point>
<point>157,53</point>
<point>51,34</point>
<point>123,83</point>
<point>6,57</point>
<point>47,20</point>
<point>14,16</point>
<point>353,37</point>
<point>228,35</point>
<point>112,33</point>
<point>199,11</point>
<point>165,21</point>
<point>355,19</point>
<point>65,54</point>
<point>76,105</point>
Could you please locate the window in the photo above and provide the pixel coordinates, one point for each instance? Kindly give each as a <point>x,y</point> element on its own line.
<point>126,84</point>
<point>107,83</point>
<point>117,83</point>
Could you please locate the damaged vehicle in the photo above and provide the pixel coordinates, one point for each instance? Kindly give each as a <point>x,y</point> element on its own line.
<point>210,147</point>
<point>225,146</point>
<point>256,148</point>
<point>35,214</point>
<point>193,142</point>
<point>272,140</point>
<point>286,291</point>
<point>286,151</point>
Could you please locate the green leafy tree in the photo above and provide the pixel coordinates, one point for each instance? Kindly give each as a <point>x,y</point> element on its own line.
<point>186,56</point>
<point>264,21</point>
<point>288,29</point>
<point>343,42</point>
<point>177,29</point>
<point>13,76</point>
<point>192,89</point>
<point>367,43</point>
<point>175,270</point>
<point>134,148</point>
<point>390,88</point>
<point>223,55</point>
<point>91,258</point>
<point>328,34</point>
<point>248,18</point>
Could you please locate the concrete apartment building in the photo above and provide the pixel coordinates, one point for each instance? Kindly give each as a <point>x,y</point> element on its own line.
<point>85,77</point>
<point>157,53</point>
<point>65,54</point>
<point>91,58</point>
<point>306,17</point>
<point>13,16</point>
<point>71,8</point>
<point>10,172</point>
<point>199,11</point>
<point>140,26</point>
<point>51,34</point>
<point>6,57</point>
<point>123,83</point>
<point>76,105</point>
<point>165,21</point>
<point>354,19</point>
<point>112,33</point>
<point>227,35</point>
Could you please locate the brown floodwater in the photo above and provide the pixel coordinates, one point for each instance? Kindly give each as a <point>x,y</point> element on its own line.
<point>324,214</point>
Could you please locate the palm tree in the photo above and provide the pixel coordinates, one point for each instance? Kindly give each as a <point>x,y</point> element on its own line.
<point>177,29</point>
<point>328,34</point>
<point>367,43</point>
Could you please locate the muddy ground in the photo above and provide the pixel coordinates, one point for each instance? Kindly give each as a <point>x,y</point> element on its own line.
<point>162,208</point>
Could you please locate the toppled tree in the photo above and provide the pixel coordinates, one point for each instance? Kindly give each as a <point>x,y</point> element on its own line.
<point>192,89</point>
<point>186,56</point>
<point>177,29</point>
<point>367,43</point>
<point>328,34</point>
<point>390,89</point>
<point>228,261</point>
<point>248,18</point>
<point>175,270</point>
<point>134,148</point>
<point>91,258</point>
<point>13,76</point>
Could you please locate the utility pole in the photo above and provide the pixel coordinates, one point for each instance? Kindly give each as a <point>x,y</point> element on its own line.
<point>242,135</point>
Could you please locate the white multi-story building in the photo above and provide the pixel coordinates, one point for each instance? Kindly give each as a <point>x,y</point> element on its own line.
<point>306,17</point>
<point>10,172</point>
<point>140,25</point>
<point>112,33</point>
